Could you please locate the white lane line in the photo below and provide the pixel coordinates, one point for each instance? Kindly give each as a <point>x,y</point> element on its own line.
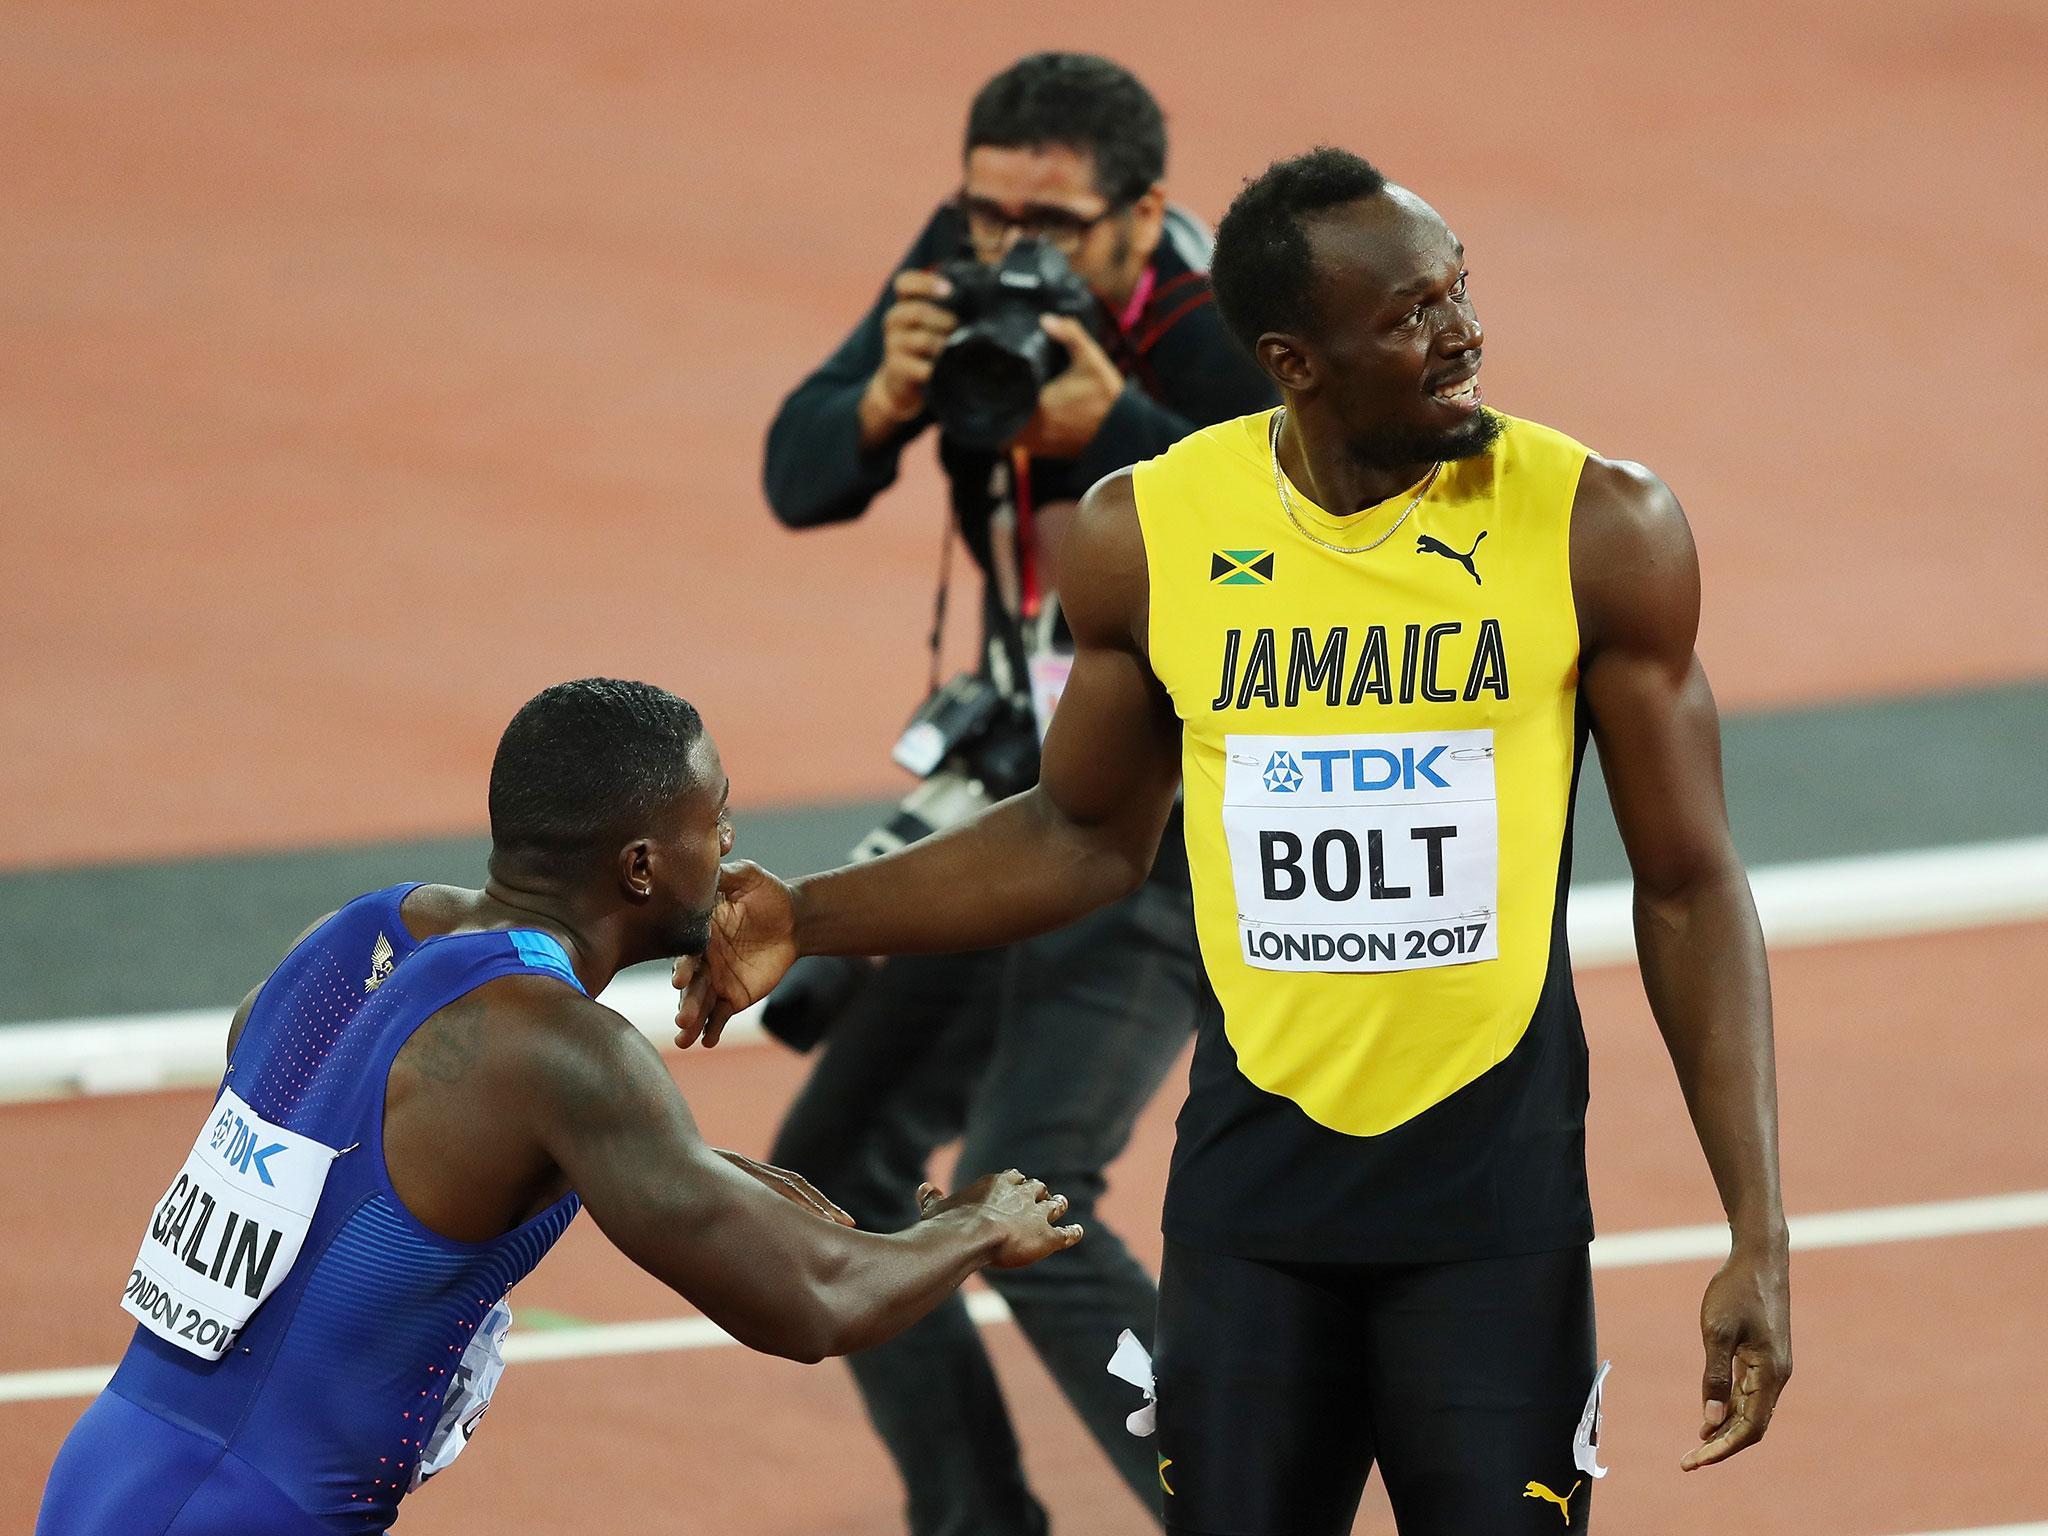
<point>1835,1229</point>
<point>41,1386</point>
<point>661,1335</point>
<point>2039,1528</point>
<point>142,1052</point>
<point>1933,890</point>
<point>1625,1250</point>
<point>1825,901</point>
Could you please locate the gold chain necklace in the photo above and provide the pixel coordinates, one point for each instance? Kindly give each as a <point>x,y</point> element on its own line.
<point>1287,500</point>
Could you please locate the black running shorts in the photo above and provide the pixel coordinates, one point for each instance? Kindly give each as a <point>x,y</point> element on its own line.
<point>1281,1384</point>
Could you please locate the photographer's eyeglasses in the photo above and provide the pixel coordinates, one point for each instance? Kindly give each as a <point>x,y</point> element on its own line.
<point>989,225</point>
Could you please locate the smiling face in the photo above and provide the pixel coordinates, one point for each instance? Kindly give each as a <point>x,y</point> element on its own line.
<point>1393,356</point>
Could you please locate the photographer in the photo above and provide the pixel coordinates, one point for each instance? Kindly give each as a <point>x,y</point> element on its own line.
<point>1054,320</point>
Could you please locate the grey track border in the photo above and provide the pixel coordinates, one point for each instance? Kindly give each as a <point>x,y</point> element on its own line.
<point>1876,776</point>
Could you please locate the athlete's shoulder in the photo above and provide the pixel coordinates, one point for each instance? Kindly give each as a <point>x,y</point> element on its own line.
<point>1173,487</point>
<point>1613,501</point>
<point>1617,494</point>
<point>1111,499</point>
<point>1104,585</point>
<point>1635,568</point>
<point>552,1008</point>
<point>390,921</point>
<point>1235,437</point>
<point>372,907</point>
<point>543,1032</point>
<point>436,909</point>
<point>1626,506</point>
<point>570,1059</point>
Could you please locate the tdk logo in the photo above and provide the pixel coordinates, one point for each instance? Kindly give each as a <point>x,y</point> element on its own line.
<point>1362,769</point>
<point>1283,774</point>
<point>235,1140</point>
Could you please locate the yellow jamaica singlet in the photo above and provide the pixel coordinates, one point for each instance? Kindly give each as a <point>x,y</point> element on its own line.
<point>1380,750</point>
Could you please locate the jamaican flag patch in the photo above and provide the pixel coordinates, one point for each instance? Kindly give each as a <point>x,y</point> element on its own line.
<point>1241,567</point>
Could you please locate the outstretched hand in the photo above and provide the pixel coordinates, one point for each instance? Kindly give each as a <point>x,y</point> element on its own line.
<point>753,941</point>
<point>1746,1324</point>
<point>1025,1212</point>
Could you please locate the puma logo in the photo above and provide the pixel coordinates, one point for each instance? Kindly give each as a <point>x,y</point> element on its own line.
<point>1537,1490</point>
<point>1429,546</point>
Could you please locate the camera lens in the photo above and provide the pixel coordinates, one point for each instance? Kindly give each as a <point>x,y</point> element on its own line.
<point>984,386</point>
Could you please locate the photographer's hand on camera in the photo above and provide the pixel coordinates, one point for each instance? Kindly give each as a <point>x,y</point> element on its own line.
<point>914,329</point>
<point>1073,407</point>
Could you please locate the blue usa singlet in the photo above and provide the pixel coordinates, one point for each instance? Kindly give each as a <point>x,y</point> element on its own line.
<point>304,1344</point>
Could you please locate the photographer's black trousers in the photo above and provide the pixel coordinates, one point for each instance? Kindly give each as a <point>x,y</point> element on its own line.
<point>1042,1055</point>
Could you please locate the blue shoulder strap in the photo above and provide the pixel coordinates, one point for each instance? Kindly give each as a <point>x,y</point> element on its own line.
<point>544,952</point>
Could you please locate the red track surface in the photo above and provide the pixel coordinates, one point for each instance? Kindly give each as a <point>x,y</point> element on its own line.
<point>1917,1404</point>
<point>368,367</point>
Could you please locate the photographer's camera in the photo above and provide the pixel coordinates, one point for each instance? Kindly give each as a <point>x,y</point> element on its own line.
<point>986,381</point>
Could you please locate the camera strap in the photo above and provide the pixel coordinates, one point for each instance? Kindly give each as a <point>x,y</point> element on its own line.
<point>1005,657</point>
<point>1029,595</point>
<point>1038,615</point>
<point>1141,296</point>
<point>938,637</point>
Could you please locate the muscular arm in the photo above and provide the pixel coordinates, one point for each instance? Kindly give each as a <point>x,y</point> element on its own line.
<point>775,1276</point>
<point>1085,835</point>
<point>1636,579</point>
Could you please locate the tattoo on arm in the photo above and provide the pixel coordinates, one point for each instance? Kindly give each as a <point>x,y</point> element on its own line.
<point>448,1046</point>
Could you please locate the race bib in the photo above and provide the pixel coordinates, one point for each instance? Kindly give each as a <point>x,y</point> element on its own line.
<point>469,1394</point>
<point>1363,853</point>
<point>227,1231</point>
